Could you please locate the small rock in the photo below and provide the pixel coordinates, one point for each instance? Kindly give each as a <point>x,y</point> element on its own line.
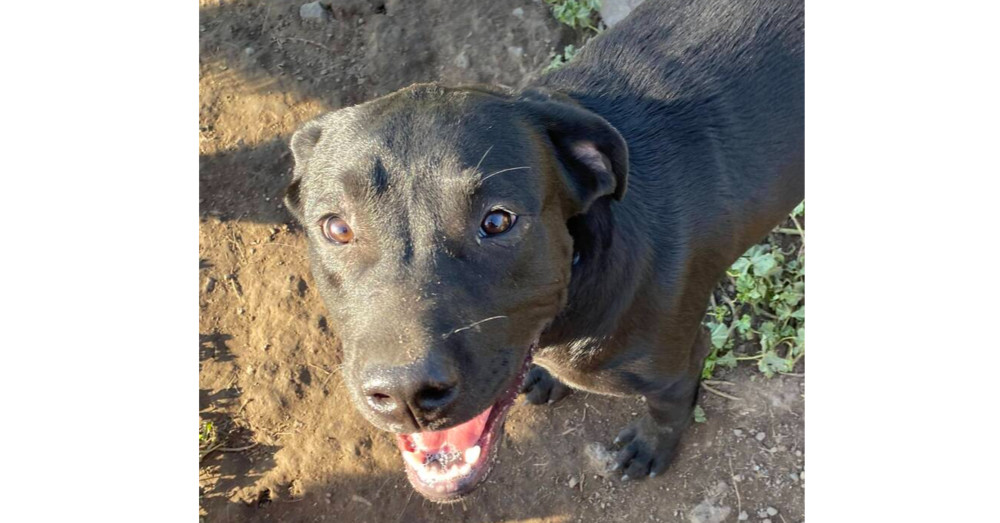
<point>744,516</point>
<point>771,511</point>
<point>573,482</point>
<point>738,432</point>
<point>707,512</point>
<point>614,11</point>
<point>312,12</point>
<point>518,12</point>
<point>599,459</point>
<point>209,285</point>
<point>766,521</point>
<point>760,436</point>
<point>462,61</point>
<point>515,51</point>
<point>248,51</point>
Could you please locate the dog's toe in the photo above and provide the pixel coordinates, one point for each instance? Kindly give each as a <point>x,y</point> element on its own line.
<point>647,450</point>
<point>541,388</point>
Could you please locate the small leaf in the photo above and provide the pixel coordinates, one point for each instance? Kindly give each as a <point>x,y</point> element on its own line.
<point>744,324</point>
<point>720,333</point>
<point>772,363</point>
<point>699,414</point>
<point>741,266</point>
<point>727,360</point>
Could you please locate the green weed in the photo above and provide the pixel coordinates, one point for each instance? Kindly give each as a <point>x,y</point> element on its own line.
<point>578,14</point>
<point>560,60</point>
<point>206,434</point>
<point>763,306</point>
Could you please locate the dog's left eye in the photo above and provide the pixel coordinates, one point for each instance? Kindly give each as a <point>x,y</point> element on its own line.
<point>336,230</point>
<point>498,221</point>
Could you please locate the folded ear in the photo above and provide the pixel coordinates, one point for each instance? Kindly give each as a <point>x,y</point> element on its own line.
<point>303,143</point>
<point>592,154</point>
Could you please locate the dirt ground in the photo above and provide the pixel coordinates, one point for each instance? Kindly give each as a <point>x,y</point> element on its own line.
<point>292,448</point>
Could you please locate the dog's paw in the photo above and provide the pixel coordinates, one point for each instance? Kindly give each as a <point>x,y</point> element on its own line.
<point>540,387</point>
<point>647,449</point>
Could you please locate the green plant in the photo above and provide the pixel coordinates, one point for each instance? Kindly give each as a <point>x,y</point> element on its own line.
<point>764,306</point>
<point>206,434</point>
<point>578,14</point>
<point>560,60</point>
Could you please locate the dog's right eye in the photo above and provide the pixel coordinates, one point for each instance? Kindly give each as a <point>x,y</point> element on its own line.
<point>498,221</point>
<point>336,230</point>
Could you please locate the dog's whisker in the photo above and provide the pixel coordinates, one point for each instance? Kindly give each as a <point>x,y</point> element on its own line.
<point>471,325</point>
<point>484,157</point>
<point>488,176</point>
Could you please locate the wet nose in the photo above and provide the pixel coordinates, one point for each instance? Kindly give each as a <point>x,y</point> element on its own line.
<point>409,397</point>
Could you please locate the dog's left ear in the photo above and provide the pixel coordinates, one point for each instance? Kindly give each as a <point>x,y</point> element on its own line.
<point>303,142</point>
<point>592,153</point>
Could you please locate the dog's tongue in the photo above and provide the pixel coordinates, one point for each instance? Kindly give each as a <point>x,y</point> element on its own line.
<point>459,437</point>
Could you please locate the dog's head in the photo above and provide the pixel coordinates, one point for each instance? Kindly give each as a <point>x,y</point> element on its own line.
<point>437,229</point>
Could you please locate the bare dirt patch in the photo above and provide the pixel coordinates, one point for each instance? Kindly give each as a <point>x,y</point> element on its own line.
<point>290,447</point>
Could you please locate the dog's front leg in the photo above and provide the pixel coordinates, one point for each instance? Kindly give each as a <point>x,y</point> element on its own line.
<point>648,444</point>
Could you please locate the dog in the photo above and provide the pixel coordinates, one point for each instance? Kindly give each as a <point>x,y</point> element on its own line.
<point>472,243</point>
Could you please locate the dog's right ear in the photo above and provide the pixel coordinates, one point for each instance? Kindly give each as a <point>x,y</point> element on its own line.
<point>303,143</point>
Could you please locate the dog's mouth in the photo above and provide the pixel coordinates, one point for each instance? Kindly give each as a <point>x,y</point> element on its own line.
<point>447,464</point>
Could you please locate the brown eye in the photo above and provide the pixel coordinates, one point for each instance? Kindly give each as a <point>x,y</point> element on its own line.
<point>498,221</point>
<point>336,230</point>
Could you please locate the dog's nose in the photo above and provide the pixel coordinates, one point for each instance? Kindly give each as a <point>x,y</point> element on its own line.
<point>409,397</point>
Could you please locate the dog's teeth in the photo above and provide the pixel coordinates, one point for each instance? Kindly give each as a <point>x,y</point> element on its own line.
<point>413,460</point>
<point>465,469</point>
<point>472,455</point>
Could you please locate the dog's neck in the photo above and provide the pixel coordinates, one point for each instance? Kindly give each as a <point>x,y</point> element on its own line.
<point>605,258</point>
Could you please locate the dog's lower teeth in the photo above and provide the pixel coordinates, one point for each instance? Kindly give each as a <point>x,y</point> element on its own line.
<point>472,455</point>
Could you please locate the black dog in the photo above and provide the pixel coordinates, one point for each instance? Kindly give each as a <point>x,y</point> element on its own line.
<point>453,231</point>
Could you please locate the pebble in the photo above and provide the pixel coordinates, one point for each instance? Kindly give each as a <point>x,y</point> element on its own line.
<point>209,285</point>
<point>312,12</point>
<point>738,432</point>
<point>744,516</point>
<point>760,436</point>
<point>518,12</point>
<point>766,521</point>
<point>573,482</point>
<point>771,511</point>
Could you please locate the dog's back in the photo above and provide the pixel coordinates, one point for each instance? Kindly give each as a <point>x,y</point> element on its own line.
<point>710,97</point>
